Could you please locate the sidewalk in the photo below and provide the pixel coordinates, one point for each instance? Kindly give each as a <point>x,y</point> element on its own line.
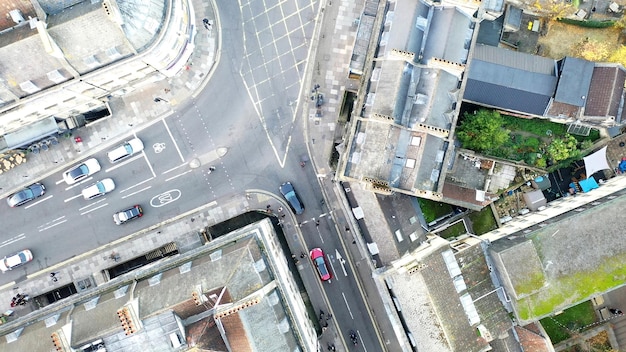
<point>130,111</point>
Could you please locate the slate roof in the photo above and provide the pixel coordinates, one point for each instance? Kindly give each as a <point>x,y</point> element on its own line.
<point>449,35</point>
<point>605,90</point>
<point>507,98</point>
<point>574,80</point>
<point>489,32</point>
<point>510,80</point>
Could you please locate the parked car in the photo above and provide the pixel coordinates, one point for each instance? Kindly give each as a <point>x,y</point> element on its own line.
<point>125,150</point>
<point>287,190</point>
<point>131,213</point>
<point>29,193</point>
<point>81,171</point>
<point>15,260</point>
<point>99,188</point>
<point>317,256</point>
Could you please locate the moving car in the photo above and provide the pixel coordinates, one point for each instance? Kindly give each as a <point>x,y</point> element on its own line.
<point>15,260</point>
<point>29,193</point>
<point>81,171</point>
<point>125,150</point>
<point>99,188</point>
<point>126,215</point>
<point>317,256</point>
<point>287,190</point>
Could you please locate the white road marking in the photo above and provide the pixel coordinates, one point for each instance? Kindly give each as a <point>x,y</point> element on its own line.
<point>39,201</point>
<point>173,177</point>
<point>92,204</point>
<point>150,166</point>
<point>96,208</point>
<point>13,240</point>
<point>165,198</point>
<point>347,305</point>
<point>174,168</point>
<point>71,198</point>
<point>79,183</point>
<point>51,226</point>
<point>132,194</point>
<point>175,145</point>
<point>133,186</point>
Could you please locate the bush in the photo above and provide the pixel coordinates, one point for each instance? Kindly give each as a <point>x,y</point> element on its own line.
<point>589,23</point>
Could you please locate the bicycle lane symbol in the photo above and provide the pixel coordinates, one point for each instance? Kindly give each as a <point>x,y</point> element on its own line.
<point>165,198</point>
<point>158,147</point>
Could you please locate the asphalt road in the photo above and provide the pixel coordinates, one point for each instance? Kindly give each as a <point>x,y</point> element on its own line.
<point>250,108</point>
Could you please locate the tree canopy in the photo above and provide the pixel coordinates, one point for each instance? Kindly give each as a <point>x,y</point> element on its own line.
<point>563,148</point>
<point>482,130</point>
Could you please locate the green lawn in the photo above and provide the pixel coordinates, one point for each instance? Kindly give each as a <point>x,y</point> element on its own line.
<point>483,221</point>
<point>572,320</point>
<point>455,230</point>
<point>433,210</point>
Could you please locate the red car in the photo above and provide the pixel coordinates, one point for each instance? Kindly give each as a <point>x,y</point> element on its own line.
<point>317,256</point>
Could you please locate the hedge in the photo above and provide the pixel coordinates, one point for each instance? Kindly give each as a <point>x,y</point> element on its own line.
<point>588,24</point>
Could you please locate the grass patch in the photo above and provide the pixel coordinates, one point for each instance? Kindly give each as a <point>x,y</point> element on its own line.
<point>433,210</point>
<point>455,230</point>
<point>572,320</point>
<point>483,221</point>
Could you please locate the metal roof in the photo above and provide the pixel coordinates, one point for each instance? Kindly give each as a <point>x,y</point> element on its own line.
<point>574,81</point>
<point>509,88</point>
<point>515,59</point>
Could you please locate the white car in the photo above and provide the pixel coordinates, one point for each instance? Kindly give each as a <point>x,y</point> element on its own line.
<point>125,150</point>
<point>15,260</point>
<point>81,171</point>
<point>99,188</point>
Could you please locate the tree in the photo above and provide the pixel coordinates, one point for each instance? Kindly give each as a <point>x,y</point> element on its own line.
<point>482,130</point>
<point>563,148</point>
<point>619,55</point>
<point>592,50</point>
<point>551,9</point>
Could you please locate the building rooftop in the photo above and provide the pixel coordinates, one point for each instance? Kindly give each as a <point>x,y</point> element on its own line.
<point>574,80</point>
<point>537,267</point>
<point>605,91</point>
<point>235,277</point>
<point>448,300</point>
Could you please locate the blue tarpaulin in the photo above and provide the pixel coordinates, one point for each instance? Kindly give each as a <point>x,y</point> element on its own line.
<point>588,184</point>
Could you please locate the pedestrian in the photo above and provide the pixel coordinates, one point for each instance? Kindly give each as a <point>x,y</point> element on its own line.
<point>329,316</point>
<point>321,314</point>
<point>280,209</point>
<point>302,255</point>
<point>282,216</point>
<point>326,324</point>
<point>268,206</point>
<point>347,229</point>
<point>317,223</point>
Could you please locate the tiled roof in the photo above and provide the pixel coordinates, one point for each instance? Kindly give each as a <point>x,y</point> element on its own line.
<point>531,340</point>
<point>605,91</point>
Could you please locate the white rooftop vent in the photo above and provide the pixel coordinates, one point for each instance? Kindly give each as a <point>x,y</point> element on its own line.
<point>416,141</point>
<point>91,61</point>
<point>29,87</point>
<point>55,76</point>
<point>16,16</point>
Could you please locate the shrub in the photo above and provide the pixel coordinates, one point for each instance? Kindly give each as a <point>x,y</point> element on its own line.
<point>589,23</point>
